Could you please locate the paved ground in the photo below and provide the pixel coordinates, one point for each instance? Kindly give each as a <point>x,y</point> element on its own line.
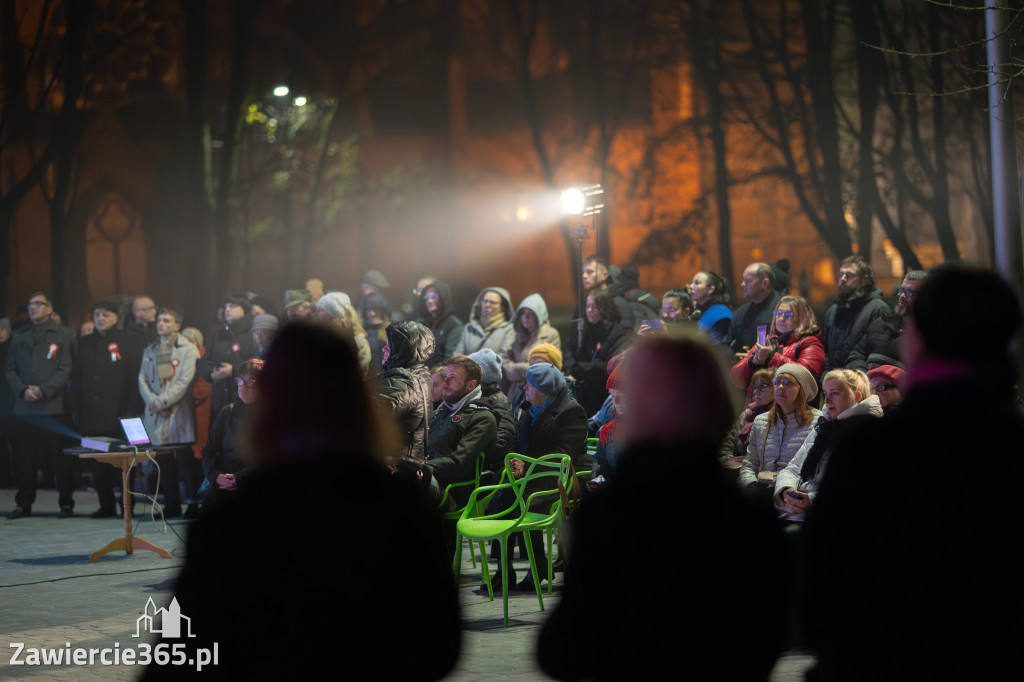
<point>50,595</point>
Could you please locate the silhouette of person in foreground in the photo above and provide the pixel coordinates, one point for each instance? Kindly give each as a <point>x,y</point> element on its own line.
<point>306,569</point>
<point>915,559</point>
<point>658,559</point>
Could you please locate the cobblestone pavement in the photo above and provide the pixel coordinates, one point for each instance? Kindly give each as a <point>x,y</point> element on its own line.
<point>50,595</point>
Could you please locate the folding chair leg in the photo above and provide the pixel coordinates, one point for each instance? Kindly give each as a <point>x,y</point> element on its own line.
<point>457,568</point>
<point>504,573</point>
<point>533,567</point>
<point>487,575</point>
<point>551,561</point>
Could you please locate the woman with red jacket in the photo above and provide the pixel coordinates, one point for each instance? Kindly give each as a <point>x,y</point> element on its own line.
<point>794,337</point>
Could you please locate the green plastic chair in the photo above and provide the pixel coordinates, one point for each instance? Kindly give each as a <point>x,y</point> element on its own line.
<point>457,513</point>
<point>475,525</point>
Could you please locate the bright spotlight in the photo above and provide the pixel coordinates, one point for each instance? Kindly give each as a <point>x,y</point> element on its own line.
<point>586,200</point>
<point>280,91</point>
<point>299,101</point>
<point>572,201</point>
<point>523,214</point>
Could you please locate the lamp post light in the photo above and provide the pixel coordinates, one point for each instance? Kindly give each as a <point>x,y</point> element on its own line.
<point>584,201</point>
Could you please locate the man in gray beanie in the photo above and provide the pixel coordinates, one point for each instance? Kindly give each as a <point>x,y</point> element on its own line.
<point>497,402</point>
<point>264,329</point>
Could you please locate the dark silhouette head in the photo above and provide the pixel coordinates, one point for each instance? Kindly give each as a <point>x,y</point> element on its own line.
<point>982,299</point>
<point>313,400</point>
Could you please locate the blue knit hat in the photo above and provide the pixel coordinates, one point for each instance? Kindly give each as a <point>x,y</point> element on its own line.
<point>490,363</point>
<point>545,378</point>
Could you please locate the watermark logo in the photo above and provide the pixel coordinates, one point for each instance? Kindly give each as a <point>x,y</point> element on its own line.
<point>170,621</point>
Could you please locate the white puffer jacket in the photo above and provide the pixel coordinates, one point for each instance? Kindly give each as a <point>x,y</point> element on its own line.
<point>790,476</point>
<point>771,448</point>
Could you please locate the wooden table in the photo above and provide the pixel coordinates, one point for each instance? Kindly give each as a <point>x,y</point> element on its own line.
<point>124,461</point>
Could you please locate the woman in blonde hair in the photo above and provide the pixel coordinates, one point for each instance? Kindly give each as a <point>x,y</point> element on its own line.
<point>334,309</point>
<point>794,336</point>
<point>848,400</point>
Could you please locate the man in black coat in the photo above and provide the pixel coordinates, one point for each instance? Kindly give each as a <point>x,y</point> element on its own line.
<point>497,402</point>
<point>232,345</point>
<point>460,429</point>
<point>37,372</point>
<point>913,572</point>
<point>759,290</point>
<point>859,302</point>
<point>883,334</point>
<point>104,388</point>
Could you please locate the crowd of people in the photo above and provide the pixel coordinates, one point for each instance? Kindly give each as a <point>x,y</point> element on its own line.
<point>656,386</point>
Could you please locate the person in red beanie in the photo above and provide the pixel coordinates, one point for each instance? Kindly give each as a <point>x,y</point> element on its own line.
<point>606,455</point>
<point>885,383</point>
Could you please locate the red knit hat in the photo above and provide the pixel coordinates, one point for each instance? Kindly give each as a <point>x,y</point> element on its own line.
<point>614,378</point>
<point>888,373</point>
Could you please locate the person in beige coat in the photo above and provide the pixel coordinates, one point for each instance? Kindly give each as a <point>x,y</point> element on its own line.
<point>531,329</point>
<point>165,381</point>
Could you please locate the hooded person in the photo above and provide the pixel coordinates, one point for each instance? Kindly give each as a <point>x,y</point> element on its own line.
<point>490,323</point>
<point>493,399</point>
<point>642,305</point>
<point>376,312</point>
<point>531,330</point>
<point>405,384</point>
<point>435,313</point>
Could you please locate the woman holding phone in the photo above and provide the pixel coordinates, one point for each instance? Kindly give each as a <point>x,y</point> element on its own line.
<point>848,400</point>
<point>794,336</point>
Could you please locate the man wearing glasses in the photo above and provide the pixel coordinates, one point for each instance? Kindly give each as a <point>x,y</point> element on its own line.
<point>38,368</point>
<point>882,338</point>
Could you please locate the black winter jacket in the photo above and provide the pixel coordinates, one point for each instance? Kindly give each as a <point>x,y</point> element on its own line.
<point>847,321</point>
<point>456,440</point>
<point>601,342</point>
<point>496,401</point>
<point>881,338</point>
<point>105,382</point>
<point>405,384</point>
<point>231,344</point>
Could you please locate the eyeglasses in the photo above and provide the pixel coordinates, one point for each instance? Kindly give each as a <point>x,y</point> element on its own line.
<point>883,387</point>
<point>430,297</point>
<point>37,304</point>
<point>785,314</point>
<point>484,301</point>
<point>245,382</point>
<point>909,293</point>
<point>761,388</point>
<point>784,383</point>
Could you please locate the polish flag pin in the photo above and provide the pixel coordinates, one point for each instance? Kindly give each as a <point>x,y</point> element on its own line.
<point>52,352</point>
<point>114,354</point>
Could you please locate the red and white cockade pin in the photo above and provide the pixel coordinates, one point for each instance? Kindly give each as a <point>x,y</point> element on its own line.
<point>52,352</point>
<point>174,365</point>
<point>115,355</point>
<point>235,348</point>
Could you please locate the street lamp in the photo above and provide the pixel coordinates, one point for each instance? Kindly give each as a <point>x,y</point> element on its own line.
<point>587,200</point>
<point>281,91</point>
